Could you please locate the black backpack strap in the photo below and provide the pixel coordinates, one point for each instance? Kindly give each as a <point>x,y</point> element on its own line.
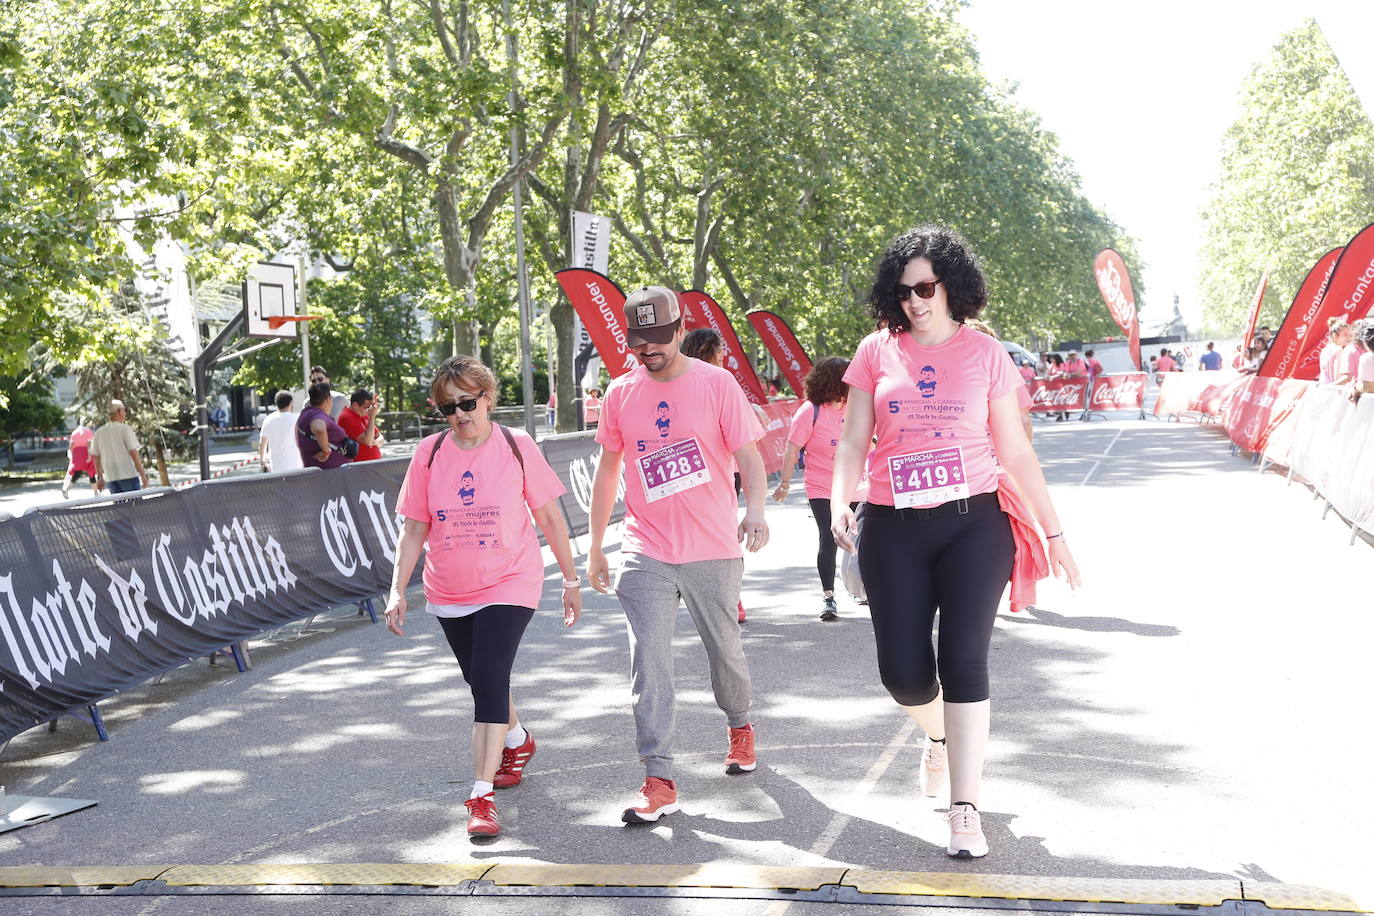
<point>510,440</point>
<point>435,451</point>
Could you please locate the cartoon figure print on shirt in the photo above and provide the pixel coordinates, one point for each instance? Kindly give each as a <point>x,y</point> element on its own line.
<point>926,383</point>
<point>928,415</point>
<point>472,525</point>
<point>664,420</point>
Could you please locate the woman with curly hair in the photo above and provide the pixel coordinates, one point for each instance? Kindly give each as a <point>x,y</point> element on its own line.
<point>941,398</point>
<point>814,434</point>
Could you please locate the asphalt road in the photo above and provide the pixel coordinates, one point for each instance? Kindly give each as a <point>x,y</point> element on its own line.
<point>1194,712</point>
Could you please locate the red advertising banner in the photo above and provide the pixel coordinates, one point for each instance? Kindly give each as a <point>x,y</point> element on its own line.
<point>1125,391</point>
<point>701,311</point>
<point>774,441</point>
<point>1052,395</point>
<point>1253,320</point>
<point>601,306</point>
<point>1348,296</point>
<point>1114,282</point>
<point>784,347</point>
<point>1258,407</point>
<point>1291,341</point>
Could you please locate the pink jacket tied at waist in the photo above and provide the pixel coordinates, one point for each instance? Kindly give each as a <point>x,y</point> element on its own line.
<point>1031,564</point>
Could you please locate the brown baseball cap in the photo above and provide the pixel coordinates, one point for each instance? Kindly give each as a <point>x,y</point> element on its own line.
<point>652,314</point>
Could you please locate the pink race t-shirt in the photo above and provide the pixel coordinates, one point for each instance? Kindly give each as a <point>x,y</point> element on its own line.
<point>482,548</point>
<point>1350,359</point>
<point>1165,364</point>
<point>819,438</point>
<point>1365,371</point>
<point>679,440</point>
<point>81,449</point>
<point>928,402</point>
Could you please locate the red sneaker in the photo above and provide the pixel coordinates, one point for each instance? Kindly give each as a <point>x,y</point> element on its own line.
<point>482,816</point>
<point>741,612</point>
<point>657,797</point>
<point>513,760</point>
<point>741,758</point>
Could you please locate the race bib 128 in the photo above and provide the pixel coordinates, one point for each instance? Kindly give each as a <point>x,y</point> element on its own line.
<point>677,467</point>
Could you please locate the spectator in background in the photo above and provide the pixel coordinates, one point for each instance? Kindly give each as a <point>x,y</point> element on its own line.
<point>552,405</point>
<point>219,418</point>
<point>1210,361</point>
<point>277,448</point>
<point>1334,367</point>
<point>1027,372</point>
<point>1154,363</point>
<point>114,451</point>
<point>1364,370</point>
<point>1042,368</point>
<point>1238,361</point>
<point>337,401</point>
<point>1265,336</point>
<point>1094,364</point>
<point>1074,367</point>
<point>79,458</point>
<point>775,386</point>
<point>359,421</point>
<point>1055,366</point>
<point>318,437</point>
<point>1166,361</point>
<point>591,408</point>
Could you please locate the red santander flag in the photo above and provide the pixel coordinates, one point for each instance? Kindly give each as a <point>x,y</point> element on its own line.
<point>601,306</point>
<point>1348,296</point>
<point>1253,320</point>
<point>785,348</point>
<point>701,311</point>
<point>1292,340</point>
<point>1114,282</point>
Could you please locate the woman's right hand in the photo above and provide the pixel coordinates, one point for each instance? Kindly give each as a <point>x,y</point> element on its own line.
<point>842,528</point>
<point>780,492</point>
<point>598,571</point>
<point>396,613</point>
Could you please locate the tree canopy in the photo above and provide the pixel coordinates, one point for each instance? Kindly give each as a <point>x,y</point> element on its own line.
<point>1296,180</point>
<point>762,150</point>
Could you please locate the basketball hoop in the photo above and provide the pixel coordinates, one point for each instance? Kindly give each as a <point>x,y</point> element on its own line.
<point>276,321</point>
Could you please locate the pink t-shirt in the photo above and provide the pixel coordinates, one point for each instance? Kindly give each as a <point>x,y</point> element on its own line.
<point>482,545</point>
<point>1350,359</point>
<point>1365,371</point>
<point>819,439</point>
<point>1165,364</point>
<point>931,400</point>
<point>1329,363</point>
<point>679,440</point>
<point>81,449</point>
<point>1075,367</point>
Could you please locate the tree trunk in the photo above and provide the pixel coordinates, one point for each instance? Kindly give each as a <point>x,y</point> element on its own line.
<point>567,386</point>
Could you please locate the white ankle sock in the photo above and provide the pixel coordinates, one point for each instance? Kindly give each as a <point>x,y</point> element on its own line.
<point>516,737</point>
<point>480,788</point>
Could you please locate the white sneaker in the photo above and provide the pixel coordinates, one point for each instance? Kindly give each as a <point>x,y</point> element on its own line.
<point>934,769</point>
<point>966,840</point>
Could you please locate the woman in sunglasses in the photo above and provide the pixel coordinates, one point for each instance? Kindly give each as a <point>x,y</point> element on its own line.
<point>468,496</point>
<point>941,398</point>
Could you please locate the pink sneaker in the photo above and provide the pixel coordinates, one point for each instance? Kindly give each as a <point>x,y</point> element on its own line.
<point>934,769</point>
<point>657,797</point>
<point>741,758</point>
<point>966,840</point>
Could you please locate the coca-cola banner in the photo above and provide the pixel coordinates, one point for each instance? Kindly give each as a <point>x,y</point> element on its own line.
<point>701,311</point>
<point>785,348</point>
<point>1114,282</point>
<point>601,306</point>
<point>1124,391</point>
<point>98,596</point>
<point>1252,321</point>
<point>1348,296</point>
<point>1052,395</point>
<point>1292,340</point>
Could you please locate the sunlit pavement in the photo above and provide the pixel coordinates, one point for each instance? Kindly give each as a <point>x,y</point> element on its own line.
<point>1194,713</point>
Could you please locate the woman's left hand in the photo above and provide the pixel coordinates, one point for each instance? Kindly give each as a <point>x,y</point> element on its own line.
<point>1062,563</point>
<point>572,605</point>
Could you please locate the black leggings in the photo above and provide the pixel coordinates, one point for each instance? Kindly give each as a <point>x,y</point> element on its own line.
<point>960,563</point>
<point>825,556</point>
<point>484,644</point>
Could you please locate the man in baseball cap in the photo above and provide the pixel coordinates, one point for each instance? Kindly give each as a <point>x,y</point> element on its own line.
<point>652,315</point>
<point>677,426</point>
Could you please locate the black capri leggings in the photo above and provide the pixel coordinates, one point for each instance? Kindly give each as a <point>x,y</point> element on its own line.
<point>484,644</point>
<point>958,563</point>
<point>825,556</point>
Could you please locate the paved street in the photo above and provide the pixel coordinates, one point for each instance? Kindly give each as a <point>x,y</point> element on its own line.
<point>1188,715</point>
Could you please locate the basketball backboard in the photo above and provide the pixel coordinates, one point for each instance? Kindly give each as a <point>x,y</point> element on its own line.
<point>270,292</point>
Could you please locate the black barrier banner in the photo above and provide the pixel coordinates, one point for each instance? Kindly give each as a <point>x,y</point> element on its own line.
<point>573,457</point>
<point>96,597</point>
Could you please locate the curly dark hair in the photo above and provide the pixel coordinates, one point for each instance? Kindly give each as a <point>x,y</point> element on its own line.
<point>954,263</point>
<point>703,344</point>
<point>825,382</point>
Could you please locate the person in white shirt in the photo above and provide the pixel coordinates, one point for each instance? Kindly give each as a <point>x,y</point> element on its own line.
<point>114,451</point>
<point>277,447</point>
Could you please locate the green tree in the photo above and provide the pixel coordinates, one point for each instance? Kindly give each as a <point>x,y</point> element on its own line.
<point>1296,179</point>
<point>28,408</point>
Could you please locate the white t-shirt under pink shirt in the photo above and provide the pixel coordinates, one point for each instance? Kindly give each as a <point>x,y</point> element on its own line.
<point>678,439</point>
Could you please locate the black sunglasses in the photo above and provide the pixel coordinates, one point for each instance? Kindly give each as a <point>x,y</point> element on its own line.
<point>466,405</point>
<point>923,290</point>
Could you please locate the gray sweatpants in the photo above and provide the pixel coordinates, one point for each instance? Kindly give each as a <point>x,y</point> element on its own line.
<point>649,592</point>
